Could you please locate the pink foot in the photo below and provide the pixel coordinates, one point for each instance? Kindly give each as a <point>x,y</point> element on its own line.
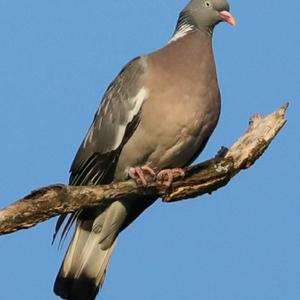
<point>138,173</point>
<point>167,176</point>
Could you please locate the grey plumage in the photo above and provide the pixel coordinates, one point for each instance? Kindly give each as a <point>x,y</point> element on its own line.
<point>159,111</point>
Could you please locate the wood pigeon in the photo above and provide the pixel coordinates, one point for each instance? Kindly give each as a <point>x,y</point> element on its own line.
<point>156,117</point>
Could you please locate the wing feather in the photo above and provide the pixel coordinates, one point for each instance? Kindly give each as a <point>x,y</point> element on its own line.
<point>113,124</point>
<point>121,105</point>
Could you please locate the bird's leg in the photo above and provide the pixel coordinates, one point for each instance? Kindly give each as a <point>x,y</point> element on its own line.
<point>167,176</point>
<point>138,173</point>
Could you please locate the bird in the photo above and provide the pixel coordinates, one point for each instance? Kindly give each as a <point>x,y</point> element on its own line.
<point>155,118</point>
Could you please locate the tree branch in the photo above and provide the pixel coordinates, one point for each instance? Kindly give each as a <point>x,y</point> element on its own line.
<point>206,177</point>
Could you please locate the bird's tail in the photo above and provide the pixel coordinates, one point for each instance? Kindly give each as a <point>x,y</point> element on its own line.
<point>83,270</point>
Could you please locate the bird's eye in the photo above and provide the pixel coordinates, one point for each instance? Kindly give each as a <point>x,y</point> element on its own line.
<point>207,4</point>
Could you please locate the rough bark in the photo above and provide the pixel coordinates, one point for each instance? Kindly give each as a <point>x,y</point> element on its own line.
<point>206,177</point>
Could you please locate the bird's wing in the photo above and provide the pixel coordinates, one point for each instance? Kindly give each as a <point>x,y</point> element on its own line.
<point>114,123</point>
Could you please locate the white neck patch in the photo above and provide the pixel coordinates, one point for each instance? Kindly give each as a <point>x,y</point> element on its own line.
<point>181,32</point>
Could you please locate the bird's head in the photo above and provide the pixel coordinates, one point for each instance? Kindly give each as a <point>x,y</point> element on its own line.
<point>206,14</point>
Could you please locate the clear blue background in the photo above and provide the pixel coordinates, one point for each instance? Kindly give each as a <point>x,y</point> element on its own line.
<point>242,242</point>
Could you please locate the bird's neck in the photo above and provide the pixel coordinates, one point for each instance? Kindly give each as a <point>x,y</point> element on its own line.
<point>185,26</point>
<point>181,31</point>
<point>190,53</point>
<point>190,42</point>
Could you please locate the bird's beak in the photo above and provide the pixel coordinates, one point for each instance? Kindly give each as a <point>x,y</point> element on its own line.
<point>227,17</point>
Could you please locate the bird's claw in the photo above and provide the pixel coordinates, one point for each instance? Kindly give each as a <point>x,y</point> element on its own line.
<point>138,173</point>
<point>167,176</point>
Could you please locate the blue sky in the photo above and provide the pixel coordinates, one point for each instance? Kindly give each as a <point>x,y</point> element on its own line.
<point>242,242</point>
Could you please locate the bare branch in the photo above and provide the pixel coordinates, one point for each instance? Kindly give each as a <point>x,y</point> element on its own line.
<point>207,177</point>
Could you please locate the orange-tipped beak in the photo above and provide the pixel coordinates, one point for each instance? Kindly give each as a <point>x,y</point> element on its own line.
<point>227,17</point>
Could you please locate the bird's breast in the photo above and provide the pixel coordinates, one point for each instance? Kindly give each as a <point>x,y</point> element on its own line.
<point>179,123</point>
<point>181,111</point>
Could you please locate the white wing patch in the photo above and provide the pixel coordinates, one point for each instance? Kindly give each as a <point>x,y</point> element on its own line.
<point>137,102</point>
<point>117,136</point>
